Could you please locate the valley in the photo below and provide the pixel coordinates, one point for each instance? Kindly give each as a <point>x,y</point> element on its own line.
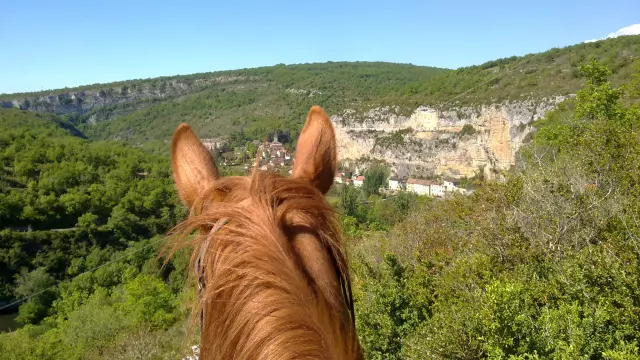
<point>488,212</point>
<point>409,116</point>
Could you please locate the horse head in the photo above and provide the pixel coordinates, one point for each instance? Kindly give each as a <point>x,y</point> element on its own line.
<point>269,255</point>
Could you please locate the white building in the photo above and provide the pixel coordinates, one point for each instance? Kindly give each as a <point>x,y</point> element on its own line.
<point>419,186</point>
<point>337,178</point>
<point>394,183</point>
<point>358,181</point>
<point>437,190</point>
<point>212,143</point>
<point>451,184</point>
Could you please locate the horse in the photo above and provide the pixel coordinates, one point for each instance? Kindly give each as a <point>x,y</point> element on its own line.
<point>268,253</point>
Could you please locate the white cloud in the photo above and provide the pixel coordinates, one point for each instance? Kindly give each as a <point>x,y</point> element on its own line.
<point>629,30</point>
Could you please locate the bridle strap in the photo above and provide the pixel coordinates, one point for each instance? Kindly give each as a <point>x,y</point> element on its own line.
<point>198,269</point>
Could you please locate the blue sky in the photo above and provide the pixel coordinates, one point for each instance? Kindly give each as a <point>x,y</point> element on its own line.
<point>53,44</point>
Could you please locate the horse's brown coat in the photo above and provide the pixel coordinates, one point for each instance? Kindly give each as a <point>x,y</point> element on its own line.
<point>277,282</point>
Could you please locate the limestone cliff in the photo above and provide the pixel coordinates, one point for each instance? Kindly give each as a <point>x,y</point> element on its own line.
<point>450,142</point>
<point>119,100</point>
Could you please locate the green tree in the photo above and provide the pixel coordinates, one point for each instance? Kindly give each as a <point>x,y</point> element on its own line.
<point>92,327</point>
<point>349,200</point>
<point>252,150</point>
<point>374,178</point>
<point>598,99</point>
<point>148,300</point>
<point>37,287</point>
<point>403,201</point>
<point>88,222</point>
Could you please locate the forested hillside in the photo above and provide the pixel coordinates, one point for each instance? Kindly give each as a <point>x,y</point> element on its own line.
<point>253,103</point>
<point>68,204</point>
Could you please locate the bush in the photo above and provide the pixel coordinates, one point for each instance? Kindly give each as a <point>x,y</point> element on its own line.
<point>147,300</point>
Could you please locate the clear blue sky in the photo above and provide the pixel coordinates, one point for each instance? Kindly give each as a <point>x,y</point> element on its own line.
<point>53,44</point>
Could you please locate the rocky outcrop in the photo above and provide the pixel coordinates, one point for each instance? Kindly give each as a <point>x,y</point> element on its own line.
<point>458,142</point>
<point>85,101</point>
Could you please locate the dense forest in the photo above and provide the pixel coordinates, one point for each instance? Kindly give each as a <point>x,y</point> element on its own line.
<point>545,265</point>
<point>67,204</point>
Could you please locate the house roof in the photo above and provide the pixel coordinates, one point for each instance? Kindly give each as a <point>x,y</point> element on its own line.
<point>360,178</point>
<point>420,182</point>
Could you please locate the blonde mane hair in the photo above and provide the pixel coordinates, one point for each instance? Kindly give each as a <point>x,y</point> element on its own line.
<point>275,278</point>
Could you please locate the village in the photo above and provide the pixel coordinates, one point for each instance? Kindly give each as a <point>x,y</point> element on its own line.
<point>272,156</point>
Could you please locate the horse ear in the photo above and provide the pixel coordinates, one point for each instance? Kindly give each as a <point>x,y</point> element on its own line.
<point>194,168</point>
<point>316,154</point>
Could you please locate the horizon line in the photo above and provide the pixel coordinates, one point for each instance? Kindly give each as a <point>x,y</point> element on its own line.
<point>115,82</point>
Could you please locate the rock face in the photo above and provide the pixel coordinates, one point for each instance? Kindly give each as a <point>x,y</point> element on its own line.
<point>85,101</point>
<point>458,142</point>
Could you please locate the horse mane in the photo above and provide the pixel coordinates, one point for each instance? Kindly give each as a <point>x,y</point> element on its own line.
<point>260,299</point>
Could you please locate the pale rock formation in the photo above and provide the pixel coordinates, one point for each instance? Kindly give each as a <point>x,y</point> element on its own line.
<point>432,139</point>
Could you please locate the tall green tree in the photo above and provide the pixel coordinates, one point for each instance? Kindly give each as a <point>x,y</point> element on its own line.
<point>36,286</point>
<point>374,178</point>
<point>349,202</point>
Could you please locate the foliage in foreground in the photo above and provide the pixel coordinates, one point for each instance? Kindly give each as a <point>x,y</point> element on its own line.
<point>126,309</point>
<point>543,266</point>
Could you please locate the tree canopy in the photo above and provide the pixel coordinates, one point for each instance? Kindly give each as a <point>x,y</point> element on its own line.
<point>63,196</point>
